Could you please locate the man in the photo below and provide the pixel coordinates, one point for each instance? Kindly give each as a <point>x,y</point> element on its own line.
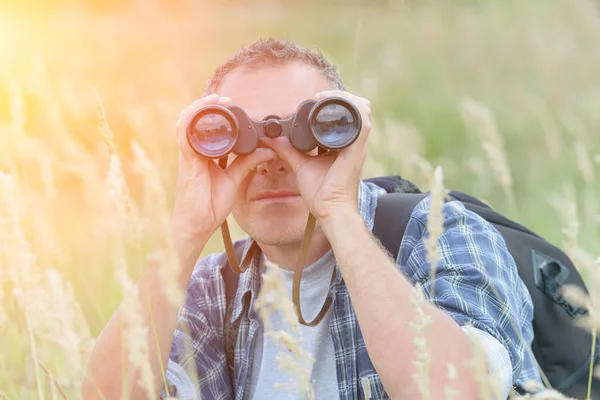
<point>365,343</point>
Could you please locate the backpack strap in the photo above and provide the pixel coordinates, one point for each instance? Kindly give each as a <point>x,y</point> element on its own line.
<point>391,218</point>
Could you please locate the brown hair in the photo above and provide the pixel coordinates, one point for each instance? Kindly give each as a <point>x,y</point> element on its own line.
<point>275,52</point>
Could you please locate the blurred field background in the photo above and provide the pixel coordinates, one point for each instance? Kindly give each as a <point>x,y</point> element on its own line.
<point>443,77</point>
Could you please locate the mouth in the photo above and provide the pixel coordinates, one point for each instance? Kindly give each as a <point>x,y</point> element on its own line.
<point>277,195</point>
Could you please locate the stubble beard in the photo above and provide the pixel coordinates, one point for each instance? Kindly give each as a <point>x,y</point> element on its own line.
<point>284,227</point>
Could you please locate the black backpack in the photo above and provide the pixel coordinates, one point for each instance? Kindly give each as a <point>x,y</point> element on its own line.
<point>562,350</point>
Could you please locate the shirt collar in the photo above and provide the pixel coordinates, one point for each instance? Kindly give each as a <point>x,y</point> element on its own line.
<point>249,281</point>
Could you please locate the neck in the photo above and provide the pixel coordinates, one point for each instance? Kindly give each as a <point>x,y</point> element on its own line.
<point>286,256</point>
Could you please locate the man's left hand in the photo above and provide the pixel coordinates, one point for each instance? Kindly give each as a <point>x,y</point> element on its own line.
<point>329,182</point>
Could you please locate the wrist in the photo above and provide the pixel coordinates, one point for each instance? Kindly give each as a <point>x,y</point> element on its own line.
<point>188,248</point>
<point>342,222</point>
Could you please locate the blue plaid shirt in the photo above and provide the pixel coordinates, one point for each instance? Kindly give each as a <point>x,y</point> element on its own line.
<point>476,283</point>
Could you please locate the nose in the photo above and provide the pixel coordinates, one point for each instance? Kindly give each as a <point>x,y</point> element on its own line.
<point>274,168</point>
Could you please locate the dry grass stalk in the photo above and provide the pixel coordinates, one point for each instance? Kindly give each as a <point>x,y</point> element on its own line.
<point>421,353</point>
<point>59,322</point>
<point>3,396</point>
<point>72,332</point>
<point>449,392</point>
<point>295,361</point>
<point>136,331</point>
<point>53,380</point>
<point>575,127</point>
<point>568,208</point>
<point>274,297</point>
<point>117,188</point>
<point>480,119</point>
<point>585,262</point>
<point>158,222</point>
<point>17,109</point>
<point>3,265</point>
<point>35,356</point>
<point>118,193</point>
<point>18,257</point>
<point>406,158</point>
<point>549,127</point>
<point>532,386</point>
<point>545,394</point>
<point>588,266</point>
<point>435,222</point>
<point>103,127</point>
<point>366,385</point>
<point>409,141</point>
<point>584,162</point>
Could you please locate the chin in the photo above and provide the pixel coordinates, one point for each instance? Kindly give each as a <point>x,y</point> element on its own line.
<point>275,229</point>
<point>281,238</point>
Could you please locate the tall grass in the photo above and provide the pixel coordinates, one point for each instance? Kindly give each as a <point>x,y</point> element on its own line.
<point>532,66</point>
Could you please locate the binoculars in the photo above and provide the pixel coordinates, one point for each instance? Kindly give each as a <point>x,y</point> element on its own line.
<point>332,123</point>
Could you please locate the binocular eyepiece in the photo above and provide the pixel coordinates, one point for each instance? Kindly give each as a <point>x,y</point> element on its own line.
<point>332,123</point>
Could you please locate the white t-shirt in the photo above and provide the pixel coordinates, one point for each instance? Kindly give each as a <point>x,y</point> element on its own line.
<point>265,374</point>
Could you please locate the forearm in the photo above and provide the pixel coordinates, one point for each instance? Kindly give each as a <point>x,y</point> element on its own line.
<point>109,372</point>
<point>381,297</point>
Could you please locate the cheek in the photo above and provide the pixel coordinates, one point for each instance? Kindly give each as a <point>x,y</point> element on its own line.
<point>240,195</point>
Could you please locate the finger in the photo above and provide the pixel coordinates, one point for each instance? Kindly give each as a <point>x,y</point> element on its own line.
<point>196,104</point>
<point>286,151</point>
<point>210,99</point>
<point>239,169</point>
<point>199,103</point>
<point>330,93</point>
<point>366,124</point>
<point>224,101</point>
<point>363,105</point>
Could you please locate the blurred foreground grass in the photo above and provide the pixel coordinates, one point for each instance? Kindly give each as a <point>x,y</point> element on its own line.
<point>529,69</point>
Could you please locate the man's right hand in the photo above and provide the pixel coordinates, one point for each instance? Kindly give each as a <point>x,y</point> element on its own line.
<point>205,193</point>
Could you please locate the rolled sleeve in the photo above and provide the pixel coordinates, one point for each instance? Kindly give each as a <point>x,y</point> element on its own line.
<point>496,358</point>
<point>476,280</point>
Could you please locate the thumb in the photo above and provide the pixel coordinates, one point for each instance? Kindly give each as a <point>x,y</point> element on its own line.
<point>286,151</point>
<point>239,169</point>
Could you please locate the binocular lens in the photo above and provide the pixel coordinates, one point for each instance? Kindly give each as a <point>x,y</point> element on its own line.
<point>212,135</point>
<point>335,126</point>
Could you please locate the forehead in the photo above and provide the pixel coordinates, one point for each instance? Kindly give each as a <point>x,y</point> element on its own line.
<point>264,90</point>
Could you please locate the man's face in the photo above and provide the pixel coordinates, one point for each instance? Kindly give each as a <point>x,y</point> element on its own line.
<point>268,204</point>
